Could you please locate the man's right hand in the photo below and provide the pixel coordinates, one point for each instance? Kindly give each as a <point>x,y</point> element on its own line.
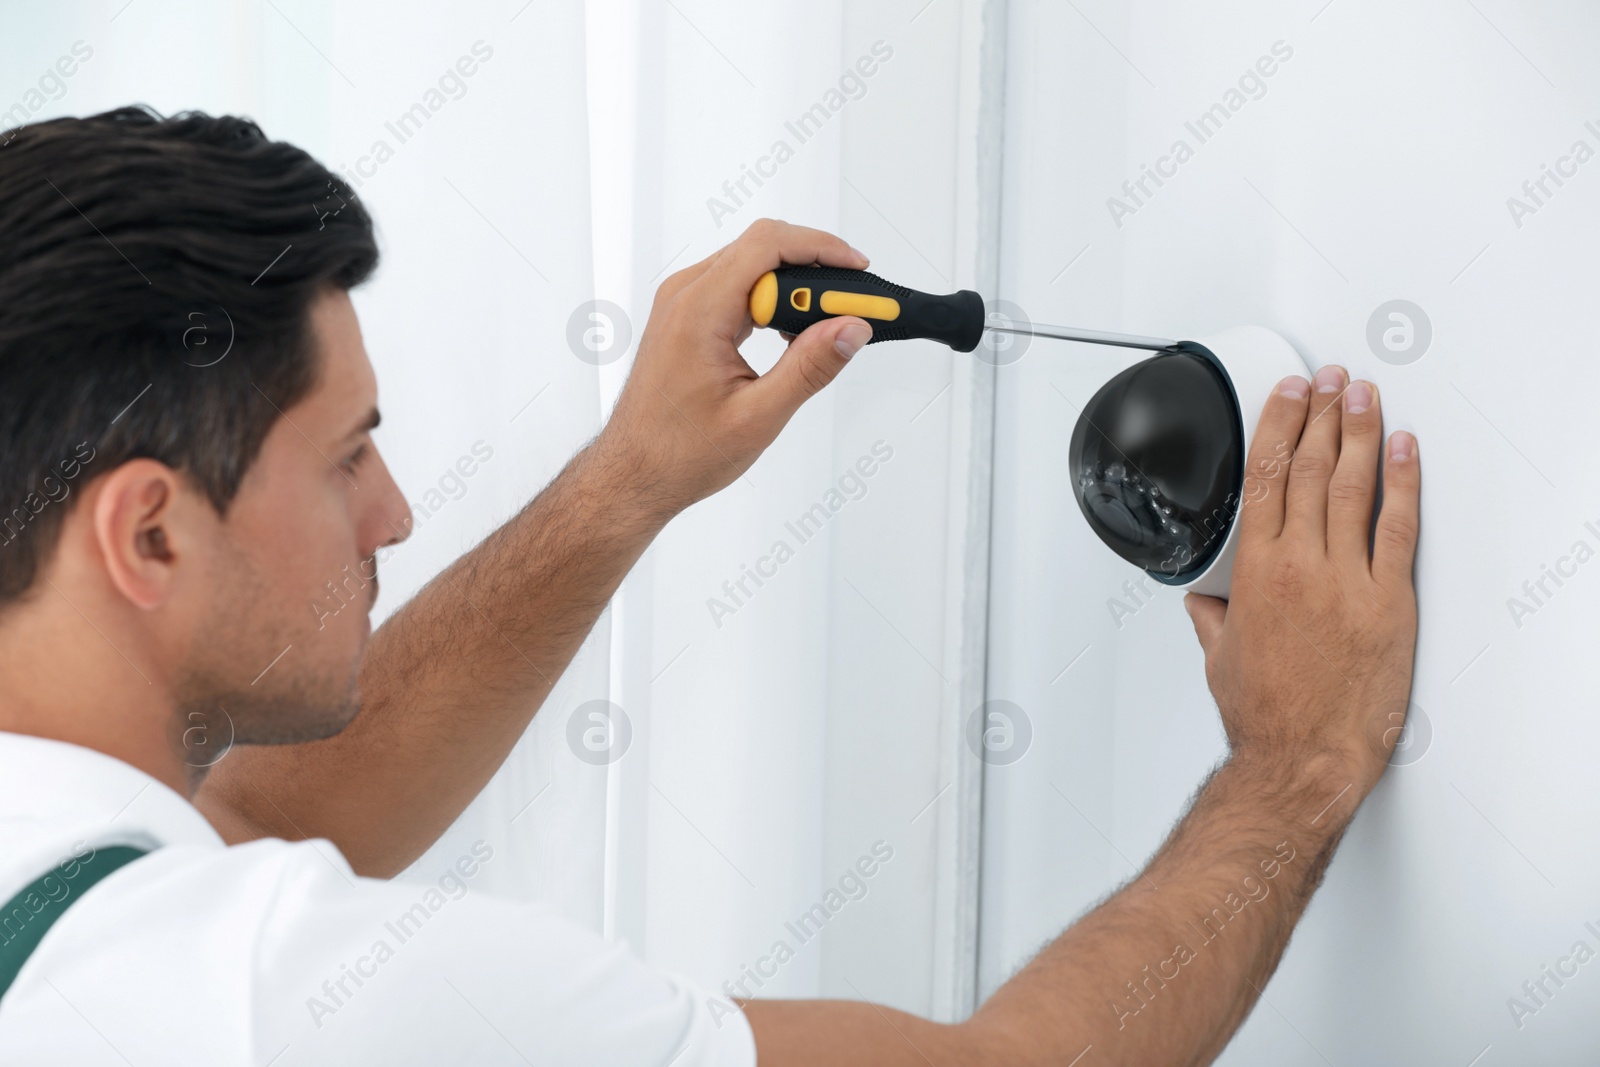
<point>1310,660</point>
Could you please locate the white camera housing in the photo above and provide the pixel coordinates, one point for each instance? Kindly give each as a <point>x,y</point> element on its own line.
<point>1255,360</point>
<point>1159,453</point>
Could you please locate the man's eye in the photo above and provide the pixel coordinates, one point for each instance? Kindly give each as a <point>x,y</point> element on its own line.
<point>355,458</point>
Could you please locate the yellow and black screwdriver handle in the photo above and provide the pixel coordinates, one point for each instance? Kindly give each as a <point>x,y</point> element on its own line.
<point>792,298</point>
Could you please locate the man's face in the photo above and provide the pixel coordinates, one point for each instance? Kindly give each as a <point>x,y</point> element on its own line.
<point>293,563</point>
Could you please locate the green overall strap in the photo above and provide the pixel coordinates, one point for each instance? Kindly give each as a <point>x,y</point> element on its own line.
<point>28,916</point>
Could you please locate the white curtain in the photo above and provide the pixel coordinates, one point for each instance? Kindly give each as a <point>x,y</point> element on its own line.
<point>796,692</point>
<point>524,159</point>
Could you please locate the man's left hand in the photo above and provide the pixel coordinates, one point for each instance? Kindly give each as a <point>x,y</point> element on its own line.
<point>693,415</point>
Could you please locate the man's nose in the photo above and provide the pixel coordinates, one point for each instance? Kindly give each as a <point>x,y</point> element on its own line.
<point>392,511</point>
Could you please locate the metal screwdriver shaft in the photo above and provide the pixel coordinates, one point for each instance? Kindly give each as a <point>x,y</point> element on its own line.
<point>1094,337</point>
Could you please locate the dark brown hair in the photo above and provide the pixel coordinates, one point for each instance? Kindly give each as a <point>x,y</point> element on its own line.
<point>155,278</point>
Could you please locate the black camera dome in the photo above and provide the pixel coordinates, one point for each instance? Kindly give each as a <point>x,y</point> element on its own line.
<point>1157,463</point>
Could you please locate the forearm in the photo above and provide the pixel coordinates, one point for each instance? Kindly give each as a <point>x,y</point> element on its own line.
<point>450,682</point>
<point>1160,975</point>
<point>1310,662</point>
<point>1167,969</point>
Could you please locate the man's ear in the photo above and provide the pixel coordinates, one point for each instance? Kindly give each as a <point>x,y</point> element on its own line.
<point>135,527</point>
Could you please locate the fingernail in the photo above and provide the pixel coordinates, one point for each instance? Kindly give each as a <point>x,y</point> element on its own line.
<point>862,256</point>
<point>851,338</point>
<point>1295,387</point>
<point>1358,397</point>
<point>1330,379</point>
<point>1401,446</point>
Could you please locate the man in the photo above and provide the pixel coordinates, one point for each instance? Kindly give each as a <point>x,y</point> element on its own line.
<point>176,512</point>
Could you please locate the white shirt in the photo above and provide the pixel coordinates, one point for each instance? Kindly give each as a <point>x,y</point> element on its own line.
<point>276,953</point>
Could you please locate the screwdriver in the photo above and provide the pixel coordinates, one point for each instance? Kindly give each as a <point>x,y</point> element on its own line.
<point>791,298</point>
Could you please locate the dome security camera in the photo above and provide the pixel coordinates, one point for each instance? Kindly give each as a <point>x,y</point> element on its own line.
<point>1158,454</point>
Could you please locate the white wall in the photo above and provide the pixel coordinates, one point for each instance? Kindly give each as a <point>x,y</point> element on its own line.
<point>1377,165</point>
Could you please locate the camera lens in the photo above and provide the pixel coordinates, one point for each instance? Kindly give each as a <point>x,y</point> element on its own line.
<point>1157,463</point>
